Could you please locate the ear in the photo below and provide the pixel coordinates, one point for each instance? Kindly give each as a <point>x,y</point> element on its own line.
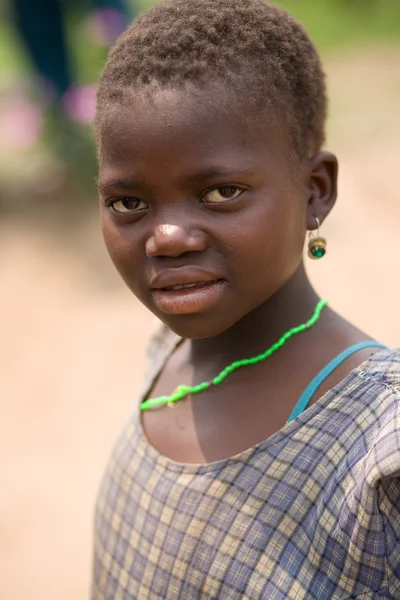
<point>322,187</point>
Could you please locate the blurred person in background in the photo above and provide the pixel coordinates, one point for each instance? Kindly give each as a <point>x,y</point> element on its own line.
<point>42,26</point>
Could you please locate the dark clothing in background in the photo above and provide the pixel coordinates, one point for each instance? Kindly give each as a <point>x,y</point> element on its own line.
<point>41,25</point>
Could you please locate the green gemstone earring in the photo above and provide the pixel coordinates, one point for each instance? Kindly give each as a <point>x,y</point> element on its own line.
<point>316,244</point>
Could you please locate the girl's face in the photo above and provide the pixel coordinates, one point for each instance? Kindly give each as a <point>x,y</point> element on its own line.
<point>203,212</point>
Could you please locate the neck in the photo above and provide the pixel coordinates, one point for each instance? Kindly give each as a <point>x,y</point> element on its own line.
<point>292,305</point>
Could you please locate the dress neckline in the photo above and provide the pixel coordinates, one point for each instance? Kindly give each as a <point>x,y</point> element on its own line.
<point>313,413</point>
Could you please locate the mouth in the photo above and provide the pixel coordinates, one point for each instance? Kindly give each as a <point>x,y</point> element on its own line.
<point>189,286</point>
<point>188,298</point>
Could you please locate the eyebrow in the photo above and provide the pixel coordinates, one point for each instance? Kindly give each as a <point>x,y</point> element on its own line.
<point>123,184</point>
<point>206,174</point>
<point>215,173</point>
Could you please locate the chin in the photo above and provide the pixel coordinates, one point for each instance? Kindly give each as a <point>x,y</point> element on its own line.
<point>194,326</point>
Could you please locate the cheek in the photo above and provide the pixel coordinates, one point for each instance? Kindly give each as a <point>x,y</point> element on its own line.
<point>268,249</point>
<point>124,251</point>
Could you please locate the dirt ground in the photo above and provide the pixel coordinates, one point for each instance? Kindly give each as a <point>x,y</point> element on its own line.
<point>72,337</point>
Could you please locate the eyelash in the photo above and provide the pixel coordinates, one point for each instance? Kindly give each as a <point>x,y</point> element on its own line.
<point>225,187</point>
<point>113,201</point>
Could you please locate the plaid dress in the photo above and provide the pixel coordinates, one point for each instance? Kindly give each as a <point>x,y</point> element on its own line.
<point>311,513</point>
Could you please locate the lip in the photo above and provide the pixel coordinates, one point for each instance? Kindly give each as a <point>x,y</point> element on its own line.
<point>182,276</point>
<point>204,291</point>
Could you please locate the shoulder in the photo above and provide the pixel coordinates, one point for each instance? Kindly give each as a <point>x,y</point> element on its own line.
<point>375,384</point>
<point>379,387</point>
<point>363,414</point>
<point>382,465</point>
<point>161,340</point>
<point>383,369</point>
<point>161,344</point>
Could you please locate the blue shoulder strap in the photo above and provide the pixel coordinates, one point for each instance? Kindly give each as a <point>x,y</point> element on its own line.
<point>312,387</point>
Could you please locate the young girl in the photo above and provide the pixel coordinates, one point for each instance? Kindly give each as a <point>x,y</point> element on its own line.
<point>263,459</point>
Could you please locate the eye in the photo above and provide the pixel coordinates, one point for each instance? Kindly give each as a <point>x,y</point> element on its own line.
<point>221,194</point>
<point>127,205</point>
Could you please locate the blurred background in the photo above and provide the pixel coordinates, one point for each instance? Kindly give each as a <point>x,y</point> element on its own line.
<point>72,337</point>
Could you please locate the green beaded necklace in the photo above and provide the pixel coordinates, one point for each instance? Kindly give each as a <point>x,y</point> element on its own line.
<point>184,390</point>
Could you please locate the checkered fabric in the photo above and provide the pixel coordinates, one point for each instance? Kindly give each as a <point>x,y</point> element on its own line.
<point>311,513</point>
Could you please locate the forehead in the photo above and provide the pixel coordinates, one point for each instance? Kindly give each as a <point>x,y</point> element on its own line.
<point>179,127</point>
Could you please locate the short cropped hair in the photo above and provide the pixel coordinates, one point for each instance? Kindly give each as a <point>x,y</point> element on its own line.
<point>254,47</point>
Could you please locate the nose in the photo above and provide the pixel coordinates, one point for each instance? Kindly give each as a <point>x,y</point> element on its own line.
<point>174,240</point>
